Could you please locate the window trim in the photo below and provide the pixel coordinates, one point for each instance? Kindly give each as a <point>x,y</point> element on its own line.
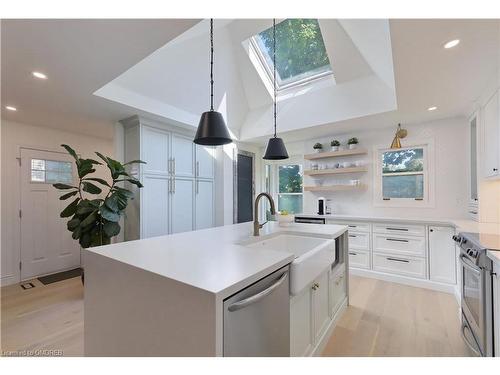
<point>254,45</point>
<point>274,180</point>
<point>428,200</point>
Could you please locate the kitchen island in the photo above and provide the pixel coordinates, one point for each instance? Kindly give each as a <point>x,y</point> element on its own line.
<point>164,296</point>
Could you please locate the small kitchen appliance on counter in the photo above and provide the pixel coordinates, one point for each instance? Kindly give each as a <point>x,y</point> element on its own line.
<point>476,291</point>
<point>321,206</point>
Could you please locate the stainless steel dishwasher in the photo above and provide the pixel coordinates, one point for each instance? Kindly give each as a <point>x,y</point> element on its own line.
<point>257,319</point>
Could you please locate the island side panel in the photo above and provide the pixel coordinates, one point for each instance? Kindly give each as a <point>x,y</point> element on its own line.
<point>132,312</point>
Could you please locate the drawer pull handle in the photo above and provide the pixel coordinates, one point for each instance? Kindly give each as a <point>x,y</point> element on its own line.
<point>400,229</point>
<point>398,260</point>
<point>353,235</point>
<point>396,240</point>
<point>351,253</point>
<point>352,226</point>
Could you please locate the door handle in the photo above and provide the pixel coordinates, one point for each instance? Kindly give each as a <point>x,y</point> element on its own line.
<point>197,171</point>
<point>352,253</point>
<point>469,344</point>
<point>197,187</point>
<point>173,168</point>
<point>400,229</point>
<point>173,185</point>
<point>257,297</point>
<point>398,260</point>
<point>396,240</point>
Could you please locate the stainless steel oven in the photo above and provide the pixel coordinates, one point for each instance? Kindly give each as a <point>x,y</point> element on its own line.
<point>476,295</point>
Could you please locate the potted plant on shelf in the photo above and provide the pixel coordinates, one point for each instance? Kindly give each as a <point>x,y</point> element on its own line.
<point>352,143</point>
<point>335,145</point>
<point>93,222</point>
<point>318,147</point>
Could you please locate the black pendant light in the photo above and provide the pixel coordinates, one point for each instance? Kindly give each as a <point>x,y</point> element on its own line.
<point>276,149</point>
<point>212,130</point>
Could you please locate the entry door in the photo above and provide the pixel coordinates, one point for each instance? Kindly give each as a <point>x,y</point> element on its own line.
<point>244,187</point>
<point>46,243</point>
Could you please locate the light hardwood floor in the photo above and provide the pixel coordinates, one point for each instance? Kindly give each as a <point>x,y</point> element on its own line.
<point>384,319</point>
<point>388,319</point>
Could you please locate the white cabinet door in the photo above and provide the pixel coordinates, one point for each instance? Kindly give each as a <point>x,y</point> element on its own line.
<point>496,308</point>
<point>182,193</point>
<point>155,146</point>
<point>321,306</point>
<point>337,290</point>
<point>204,204</point>
<point>155,206</point>
<point>301,323</point>
<point>442,257</point>
<point>491,137</point>
<point>182,156</point>
<point>205,161</point>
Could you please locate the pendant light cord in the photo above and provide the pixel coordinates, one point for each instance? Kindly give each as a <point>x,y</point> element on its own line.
<point>211,64</point>
<point>274,72</point>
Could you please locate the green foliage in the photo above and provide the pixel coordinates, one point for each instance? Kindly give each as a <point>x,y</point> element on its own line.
<point>299,47</point>
<point>318,146</point>
<point>353,141</point>
<point>335,143</point>
<point>93,222</point>
<point>408,160</point>
<point>290,179</point>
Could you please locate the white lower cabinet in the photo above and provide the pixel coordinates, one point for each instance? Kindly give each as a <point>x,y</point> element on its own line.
<point>301,336</point>
<point>359,259</point>
<point>338,290</point>
<point>321,305</point>
<point>312,311</point>
<point>182,191</point>
<point>399,265</point>
<point>442,255</point>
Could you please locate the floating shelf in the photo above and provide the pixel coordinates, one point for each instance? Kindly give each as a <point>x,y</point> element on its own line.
<point>334,187</point>
<point>333,154</point>
<point>321,172</point>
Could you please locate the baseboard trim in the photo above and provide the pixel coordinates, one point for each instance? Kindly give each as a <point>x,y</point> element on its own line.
<point>419,283</point>
<point>320,346</point>
<point>9,280</point>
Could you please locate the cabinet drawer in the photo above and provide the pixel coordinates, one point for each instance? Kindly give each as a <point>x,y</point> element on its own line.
<point>353,226</point>
<point>393,228</point>
<point>399,244</point>
<point>359,259</point>
<point>360,241</point>
<point>401,265</point>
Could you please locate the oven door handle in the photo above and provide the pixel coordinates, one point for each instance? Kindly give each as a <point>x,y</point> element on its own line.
<point>471,347</point>
<point>468,264</point>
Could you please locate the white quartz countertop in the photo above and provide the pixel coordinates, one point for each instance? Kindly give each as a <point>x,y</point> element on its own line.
<point>211,259</point>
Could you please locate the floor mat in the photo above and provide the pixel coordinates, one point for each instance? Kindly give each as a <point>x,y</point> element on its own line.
<point>55,277</point>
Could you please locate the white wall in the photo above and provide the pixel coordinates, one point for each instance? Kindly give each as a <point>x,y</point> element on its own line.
<point>449,138</point>
<point>13,136</point>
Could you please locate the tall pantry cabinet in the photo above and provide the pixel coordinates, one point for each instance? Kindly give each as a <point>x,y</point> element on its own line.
<point>178,178</point>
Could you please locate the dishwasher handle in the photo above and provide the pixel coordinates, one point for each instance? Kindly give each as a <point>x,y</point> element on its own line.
<point>257,297</point>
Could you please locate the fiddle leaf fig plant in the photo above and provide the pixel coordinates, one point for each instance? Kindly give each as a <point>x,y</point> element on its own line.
<point>93,222</point>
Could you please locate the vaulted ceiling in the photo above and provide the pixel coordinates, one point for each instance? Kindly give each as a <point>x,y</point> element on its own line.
<point>101,71</point>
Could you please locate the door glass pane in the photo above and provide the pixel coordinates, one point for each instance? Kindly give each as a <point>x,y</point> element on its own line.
<point>471,292</point>
<point>408,160</point>
<point>290,202</point>
<point>290,178</point>
<point>38,164</point>
<point>403,186</point>
<point>37,176</point>
<point>51,171</point>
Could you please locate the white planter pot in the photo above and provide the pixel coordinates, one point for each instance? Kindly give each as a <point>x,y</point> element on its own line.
<point>335,148</point>
<point>352,147</point>
<point>318,150</point>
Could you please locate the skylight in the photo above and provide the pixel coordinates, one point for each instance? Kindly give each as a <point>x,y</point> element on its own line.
<point>300,51</point>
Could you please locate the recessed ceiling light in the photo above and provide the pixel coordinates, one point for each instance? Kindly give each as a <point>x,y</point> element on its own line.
<point>11,108</point>
<point>39,75</point>
<point>452,43</point>
<point>432,108</point>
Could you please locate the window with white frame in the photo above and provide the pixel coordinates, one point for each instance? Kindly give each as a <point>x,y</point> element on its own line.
<point>403,176</point>
<point>285,183</point>
<point>51,171</point>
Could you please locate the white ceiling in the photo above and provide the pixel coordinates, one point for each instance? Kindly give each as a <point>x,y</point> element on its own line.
<point>81,56</point>
<point>78,56</point>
